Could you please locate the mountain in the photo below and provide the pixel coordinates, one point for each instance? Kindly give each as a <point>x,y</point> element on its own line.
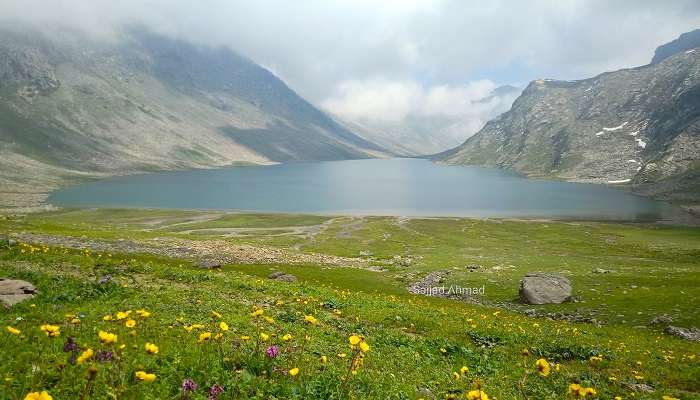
<point>638,126</point>
<point>73,107</point>
<point>684,42</point>
<point>416,135</point>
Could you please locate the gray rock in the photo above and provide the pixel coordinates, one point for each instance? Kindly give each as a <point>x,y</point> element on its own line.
<point>282,276</point>
<point>602,271</point>
<point>13,291</point>
<point>209,264</point>
<point>661,319</point>
<point>641,387</point>
<point>692,334</point>
<point>542,288</point>
<point>425,393</point>
<point>473,267</point>
<point>105,279</point>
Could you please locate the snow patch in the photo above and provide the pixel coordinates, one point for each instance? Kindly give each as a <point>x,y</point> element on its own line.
<point>599,133</point>
<point>591,87</point>
<point>620,181</point>
<point>690,51</point>
<point>632,161</point>
<point>616,128</point>
<point>634,133</point>
<point>641,143</point>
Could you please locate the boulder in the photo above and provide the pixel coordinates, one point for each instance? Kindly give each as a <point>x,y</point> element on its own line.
<point>692,334</point>
<point>13,291</point>
<point>542,288</point>
<point>282,276</point>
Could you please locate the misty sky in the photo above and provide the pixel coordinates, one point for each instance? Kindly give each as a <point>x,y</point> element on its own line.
<point>386,59</point>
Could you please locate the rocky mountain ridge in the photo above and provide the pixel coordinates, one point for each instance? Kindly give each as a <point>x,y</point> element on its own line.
<point>637,126</point>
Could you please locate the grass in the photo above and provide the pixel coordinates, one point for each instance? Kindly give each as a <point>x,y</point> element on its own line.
<point>415,342</point>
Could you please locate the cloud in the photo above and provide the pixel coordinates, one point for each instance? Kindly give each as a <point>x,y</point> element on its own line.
<point>391,100</point>
<point>319,45</point>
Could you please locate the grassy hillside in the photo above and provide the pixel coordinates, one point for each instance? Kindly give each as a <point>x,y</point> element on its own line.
<point>71,106</point>
<point>415,343</point>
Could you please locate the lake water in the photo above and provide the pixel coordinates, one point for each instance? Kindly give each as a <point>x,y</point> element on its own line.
<point>406,187</point>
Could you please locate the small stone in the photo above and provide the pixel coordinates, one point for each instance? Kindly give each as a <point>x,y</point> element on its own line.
<point>661,319</point>
<point>282,276</point>
<point>208,264</point>
<point>641,388</point>
<point>105,279</point>
<point>425,393</point>
<point>602,271</point>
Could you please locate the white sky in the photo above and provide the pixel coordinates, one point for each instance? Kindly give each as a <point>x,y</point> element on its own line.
<point>384,59</point>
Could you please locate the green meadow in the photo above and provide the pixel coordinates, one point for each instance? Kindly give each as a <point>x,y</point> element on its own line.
<point>345,331</point>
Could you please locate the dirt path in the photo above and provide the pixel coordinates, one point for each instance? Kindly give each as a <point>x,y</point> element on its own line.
<point>198,250</point>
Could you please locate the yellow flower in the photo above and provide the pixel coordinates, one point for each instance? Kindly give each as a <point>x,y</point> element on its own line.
<point>143,313</point>
<point>13,331</point>
<point>669,398</point>
<point>75,321</point>
<point>464,370</point>
<point>596,358</point>
<point>324,360</point>
<point>264,336</point>
<point>354,340</point>
<point>364,346</point>
<point>477,395</point>
<point>443,350</point>
<point>310,319</point>
<point>270,320</point>
<point>287,337</point>
<point>204,336</point>
<point>44,395</point>
<point>86,355</point>
<point>107,318</point>
<point>143,376</point>
<point>542,367</point>
<point>51,330</point>
<point>257,312</point>
<point>575,389</point>
<point>456,376</point>
<point>245,337</point>
<point>223,326</point>
<point>342,355</point>
<point>218,336</point>
<point>294,371</point>
<point>215,314</point>
<point>589,391</point>
<point>106,337</point>
<point>151,348</point>
<point>123,314</point>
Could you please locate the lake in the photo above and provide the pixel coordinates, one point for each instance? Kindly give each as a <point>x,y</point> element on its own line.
<point>401,187</point>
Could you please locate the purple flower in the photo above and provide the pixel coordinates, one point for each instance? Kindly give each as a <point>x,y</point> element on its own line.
<point>272,351</point>
<point>70,345</point>
<point>105,356</point>
<point>188,385</point>
<point>215,391</point>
